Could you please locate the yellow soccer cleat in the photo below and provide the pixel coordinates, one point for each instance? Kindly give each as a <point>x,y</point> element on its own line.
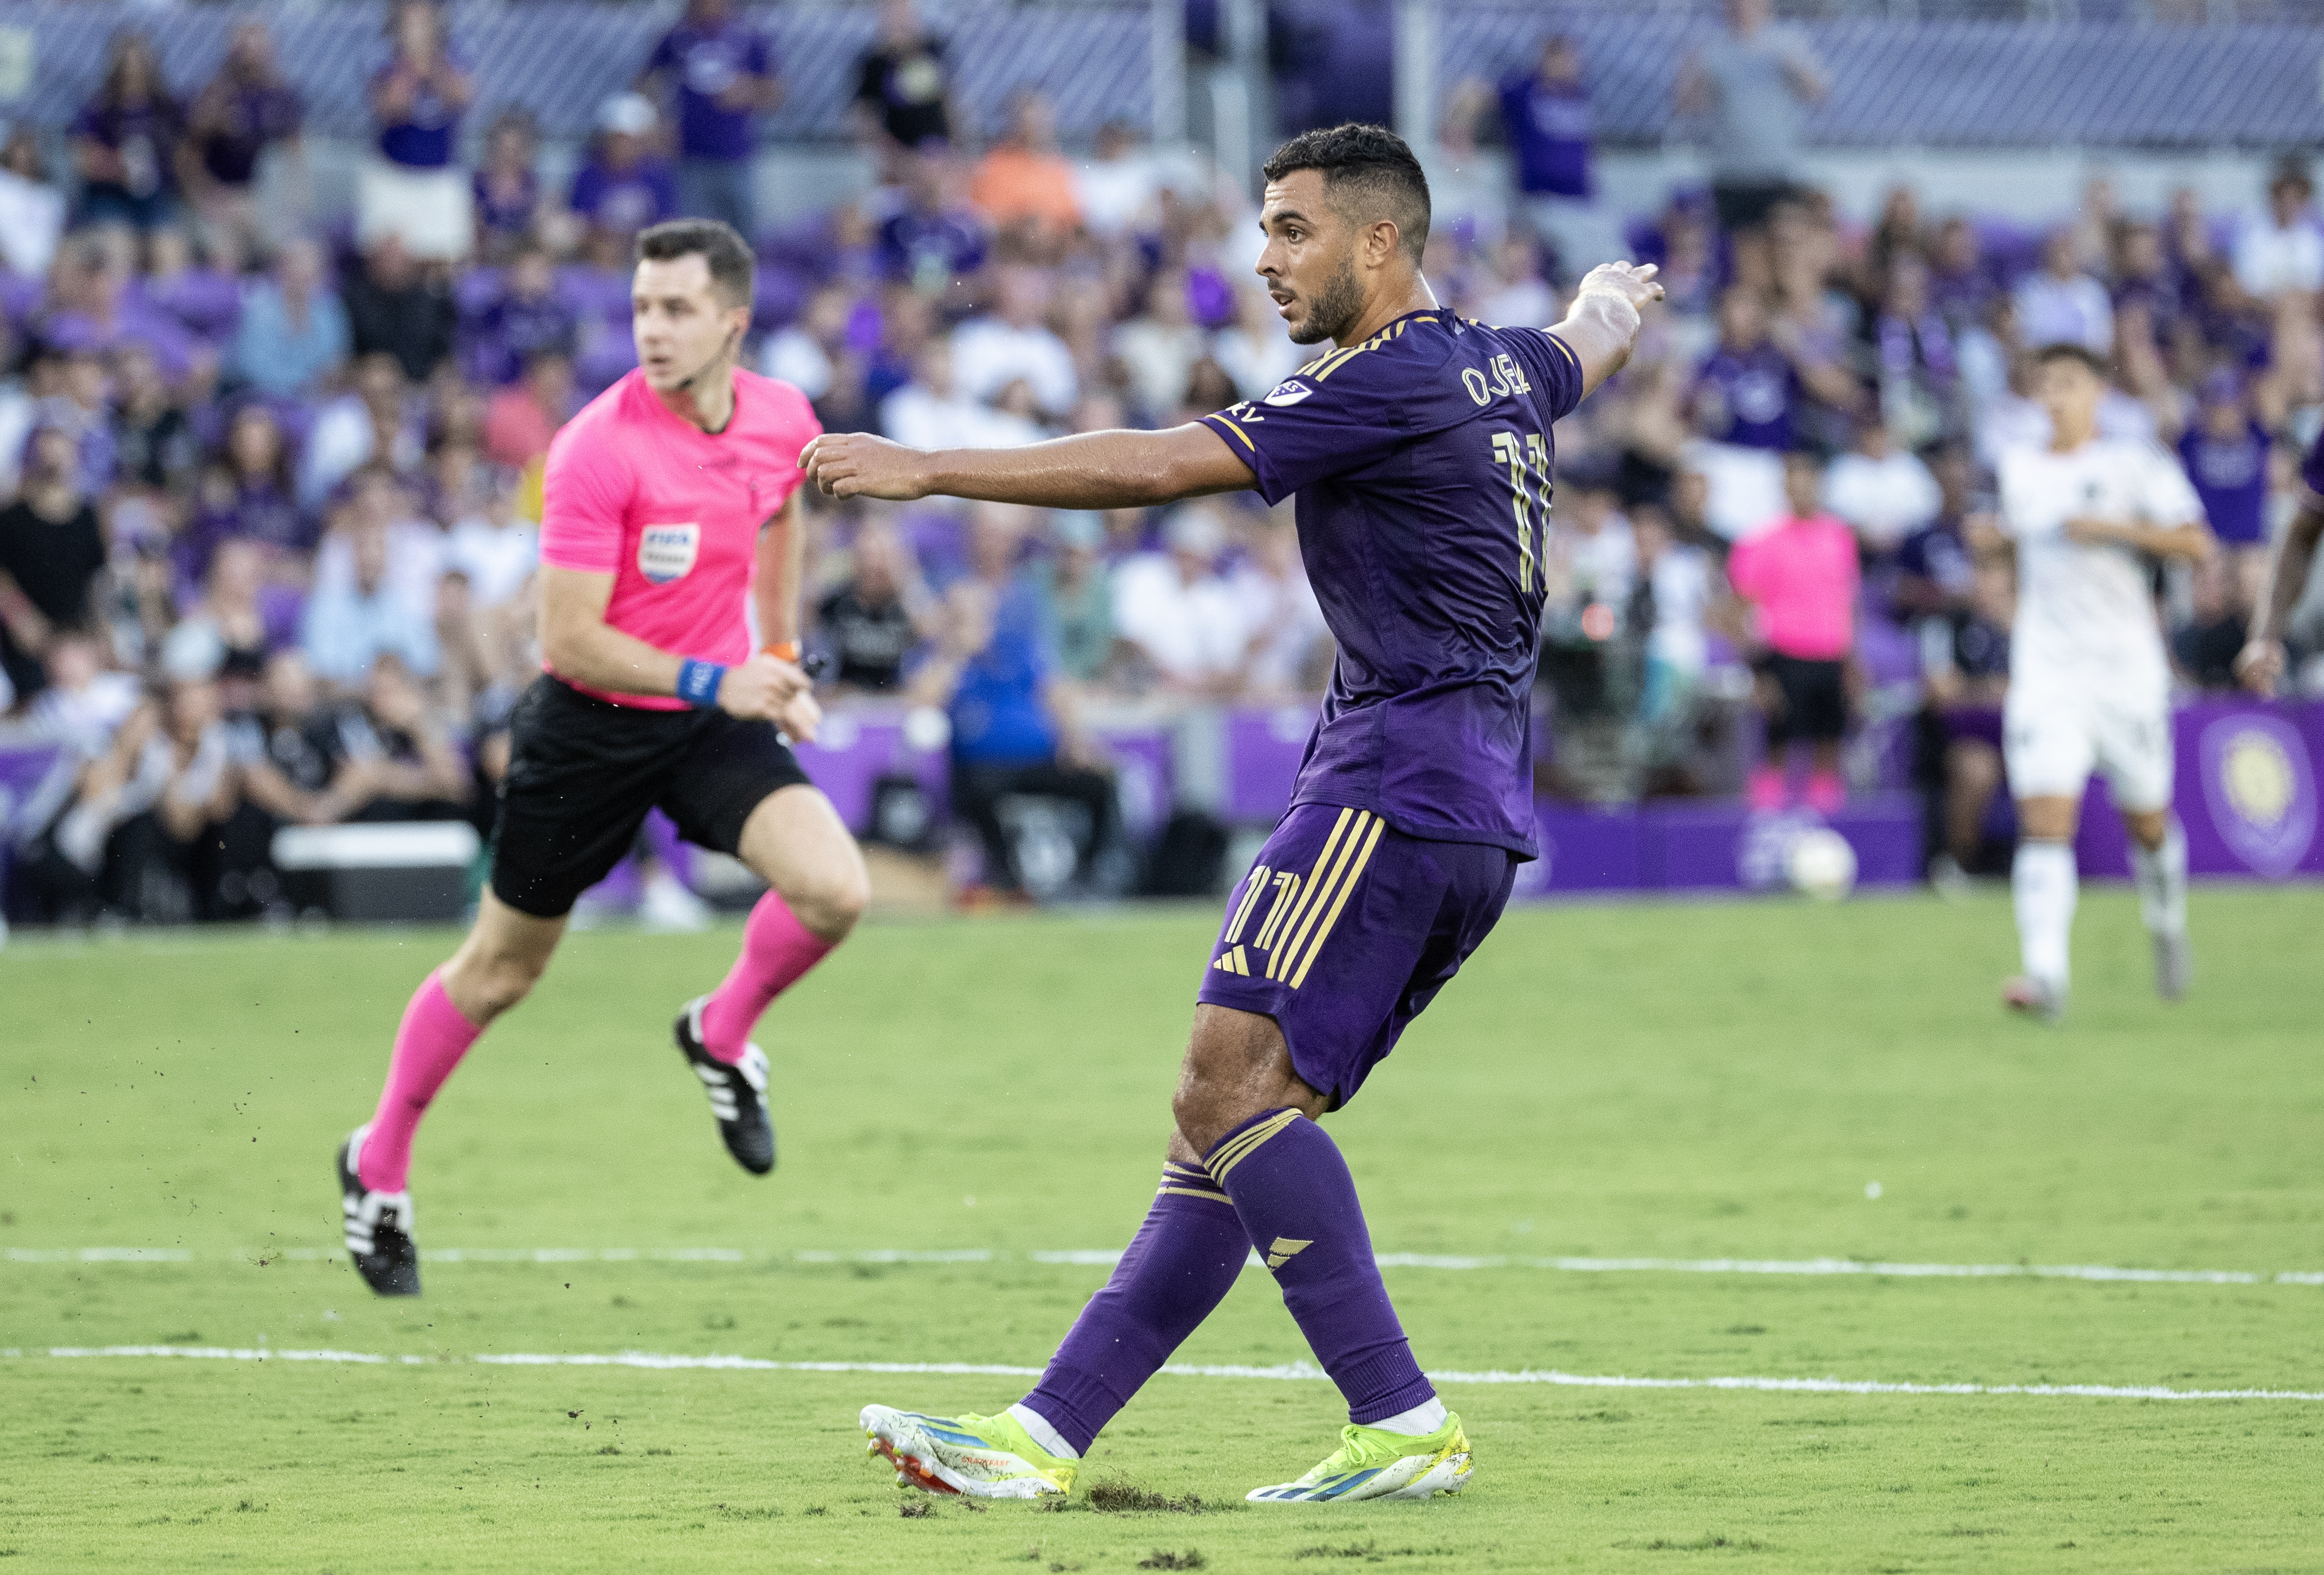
<point>1370,1463</point>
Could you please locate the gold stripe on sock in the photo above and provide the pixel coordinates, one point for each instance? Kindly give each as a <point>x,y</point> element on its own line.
<point>1311,907</point>
<point>1223,1160</point>
<point>1194,1192</point>
<point>1338,902</point>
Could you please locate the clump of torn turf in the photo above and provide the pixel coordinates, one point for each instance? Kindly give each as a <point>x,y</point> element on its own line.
<point>915,1508</point>
<point>1119,1497</point>
<point>1164,1559</point>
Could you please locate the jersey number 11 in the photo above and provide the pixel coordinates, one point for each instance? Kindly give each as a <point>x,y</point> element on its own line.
<point>1532,457</point>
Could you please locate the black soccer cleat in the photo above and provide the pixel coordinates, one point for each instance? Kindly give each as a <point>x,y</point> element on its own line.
<point>379,1227</point>
<point>738,1093</point>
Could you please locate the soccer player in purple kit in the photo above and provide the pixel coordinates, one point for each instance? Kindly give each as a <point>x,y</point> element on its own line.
<point>1418,447</point>
<point>2260,664</point>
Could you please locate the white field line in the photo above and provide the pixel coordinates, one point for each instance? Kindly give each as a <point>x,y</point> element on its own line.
<point>1289,1371</point>
<point>1105,1257</point>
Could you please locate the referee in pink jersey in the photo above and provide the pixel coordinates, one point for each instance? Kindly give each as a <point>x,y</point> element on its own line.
<point>670,501</point>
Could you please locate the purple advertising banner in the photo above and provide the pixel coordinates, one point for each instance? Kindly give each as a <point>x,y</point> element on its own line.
<point>2246,790</point>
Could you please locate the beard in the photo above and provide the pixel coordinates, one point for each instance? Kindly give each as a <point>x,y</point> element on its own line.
<point>1339,304</point>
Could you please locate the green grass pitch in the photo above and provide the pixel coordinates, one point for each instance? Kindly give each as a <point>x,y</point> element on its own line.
<point>1676,1083</point>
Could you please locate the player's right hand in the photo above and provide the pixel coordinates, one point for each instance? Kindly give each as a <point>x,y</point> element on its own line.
<point>857,464</point>
<point>759,689</point>
<point>1633,282</point>
<point>2260,665</point>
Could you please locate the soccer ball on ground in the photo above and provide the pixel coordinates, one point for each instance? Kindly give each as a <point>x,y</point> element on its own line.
<point>1821,864</point>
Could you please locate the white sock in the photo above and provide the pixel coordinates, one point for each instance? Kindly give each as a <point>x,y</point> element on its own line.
<point>2045,885</point>
<point>1417,1422</point>
<point>1047,1436</point>
<point>2161,877</point>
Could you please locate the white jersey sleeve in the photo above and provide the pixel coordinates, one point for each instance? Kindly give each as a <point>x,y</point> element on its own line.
<point>2162,492</point>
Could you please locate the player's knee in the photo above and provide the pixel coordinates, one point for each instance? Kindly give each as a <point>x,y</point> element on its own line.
<point>831,901</point>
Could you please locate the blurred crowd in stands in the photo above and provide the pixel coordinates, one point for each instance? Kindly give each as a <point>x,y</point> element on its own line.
<point>273,480</point>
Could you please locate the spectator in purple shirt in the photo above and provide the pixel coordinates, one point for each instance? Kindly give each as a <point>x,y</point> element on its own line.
<point>126,142</point>
<point>2225,453</point>
<point>508,188</point>
<point>722,74</point>
<point>93,311</point>
<point>250,497</point>
<point>529,318</point>
<point>1546,114</point>
<point>411,190</point>
<point>246,109</point>
<point>623,188</point>
<point>1747,394</point>
<point>204,300</point>
<point>934,237</point>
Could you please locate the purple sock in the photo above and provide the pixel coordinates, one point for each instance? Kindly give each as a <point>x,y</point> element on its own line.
<point>1179,1266</point>
<point>1296,1199</point>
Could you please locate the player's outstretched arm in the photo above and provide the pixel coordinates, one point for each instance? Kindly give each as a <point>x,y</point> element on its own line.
<point>582,648</point>
<point>1093,470</point>
<point>1603,323</point>
<point>2190,541</point>
<point>2260,664</point>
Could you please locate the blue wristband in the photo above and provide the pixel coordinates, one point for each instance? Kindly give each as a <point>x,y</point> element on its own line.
<point>697,682</point>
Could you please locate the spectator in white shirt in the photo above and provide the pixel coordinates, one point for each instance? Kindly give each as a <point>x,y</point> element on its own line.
<point>1181,617</point>
<point>1256,349</point>
<point>931,412</point>
<point>1517,298</point>
<point>992,352</point>
<point>1287,632</point>
<point>1159,346</point>
<point>1114,186</point>
<point>2062,305</point>
<point>1882,491</point>
<point>2281,250</point>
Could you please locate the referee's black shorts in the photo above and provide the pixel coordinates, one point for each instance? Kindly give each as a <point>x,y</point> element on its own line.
<point>1812,700</point>
<point>584,771</point>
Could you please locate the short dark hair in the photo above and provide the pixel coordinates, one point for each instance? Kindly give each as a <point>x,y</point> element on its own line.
<point>1368,162</point>
<point>2067,350</point>
<point>733,271</point>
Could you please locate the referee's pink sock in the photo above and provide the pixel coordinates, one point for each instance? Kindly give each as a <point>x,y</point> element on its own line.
<point>428,1043</point>
<point>776,949</point>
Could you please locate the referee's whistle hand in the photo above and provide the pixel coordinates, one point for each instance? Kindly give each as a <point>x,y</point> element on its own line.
<point>857,464</point>
<point>761,688</point>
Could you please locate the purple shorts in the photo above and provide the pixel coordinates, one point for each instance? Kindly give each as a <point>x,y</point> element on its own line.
<point>1345,929</point>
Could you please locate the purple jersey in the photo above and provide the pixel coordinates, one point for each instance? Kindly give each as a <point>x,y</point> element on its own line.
<point>2230,476</point>
<point>707,62</point>
<point>1747,397</point>
<point>1421,459</point>
<point>1549,130</point>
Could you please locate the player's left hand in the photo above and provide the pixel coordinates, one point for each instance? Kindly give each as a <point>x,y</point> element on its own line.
<point>2260,666</point>
<point>799,716</point>
<point>857,464</point>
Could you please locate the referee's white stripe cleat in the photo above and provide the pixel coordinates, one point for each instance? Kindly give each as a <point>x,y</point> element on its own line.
<point>1373,1463</point>
<point>378,1226</point>
<point>738,1093</point>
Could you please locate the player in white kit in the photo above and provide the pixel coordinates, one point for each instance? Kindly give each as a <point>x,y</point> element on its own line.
<point>2089,685</point>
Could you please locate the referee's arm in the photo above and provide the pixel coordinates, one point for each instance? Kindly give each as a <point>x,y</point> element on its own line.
<point>782,569</point>
<point>581,647</point>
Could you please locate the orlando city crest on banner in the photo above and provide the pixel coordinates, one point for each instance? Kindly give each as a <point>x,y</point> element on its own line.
<point>2260,787</point>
